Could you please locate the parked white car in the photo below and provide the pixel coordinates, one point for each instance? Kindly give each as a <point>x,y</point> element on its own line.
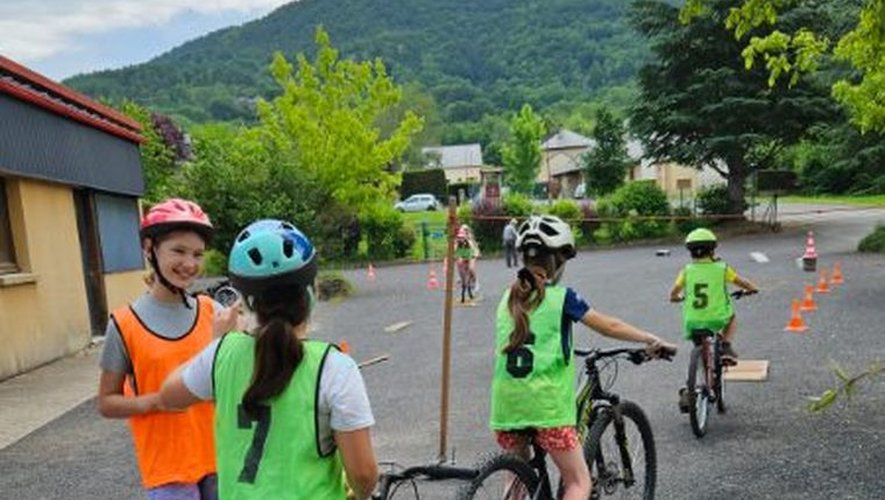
<point>418,203</point>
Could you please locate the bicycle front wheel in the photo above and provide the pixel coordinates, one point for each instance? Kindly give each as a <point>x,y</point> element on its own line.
<point>502,477</point>
<point>622,456</point>
<point>698,392</point>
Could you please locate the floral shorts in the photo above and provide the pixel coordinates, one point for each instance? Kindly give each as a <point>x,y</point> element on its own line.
<point>550,439</point>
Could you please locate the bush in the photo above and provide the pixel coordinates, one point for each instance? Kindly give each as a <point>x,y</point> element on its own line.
<point>570,212</point>
<point>632,201</point>
<point>687,225</point>
<point>487,222</point>
<point>381,225</point>
<point>403,243</point>
<point>588,225</point>
<point>714,200</point>
<point>874,242</point>
<point>214,263</point>
<point>517,205</point>
<point>332,284</point>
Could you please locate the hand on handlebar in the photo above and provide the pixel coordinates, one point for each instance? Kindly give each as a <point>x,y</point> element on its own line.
<point>660,349</point>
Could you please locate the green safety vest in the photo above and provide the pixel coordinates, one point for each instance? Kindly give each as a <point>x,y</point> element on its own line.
<point>534,386</point>
<point>278,456</point>
<point>707,304</point>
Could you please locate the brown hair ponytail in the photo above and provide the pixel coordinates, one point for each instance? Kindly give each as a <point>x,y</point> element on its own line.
<point>526,293</point>
<point>277,350</point>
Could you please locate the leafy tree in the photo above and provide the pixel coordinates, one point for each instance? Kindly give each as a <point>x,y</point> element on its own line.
<point>799,51</point>
<point>157,157</point>
<point>699,106</point>
<point>605,164</point>
<point>522,154</point>
<point>326,120</point>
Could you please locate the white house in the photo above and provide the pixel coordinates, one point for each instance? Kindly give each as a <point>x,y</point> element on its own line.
<point>460,162</point>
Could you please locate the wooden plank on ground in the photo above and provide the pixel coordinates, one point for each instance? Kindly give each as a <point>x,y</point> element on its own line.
<point>748,370</point>
<point>397,326</point>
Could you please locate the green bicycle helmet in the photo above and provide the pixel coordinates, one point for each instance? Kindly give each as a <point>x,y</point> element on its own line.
<point>270,253</point>
<point>700,240</point>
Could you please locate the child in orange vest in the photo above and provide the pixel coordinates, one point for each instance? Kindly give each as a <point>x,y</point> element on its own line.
<point>148,339</point>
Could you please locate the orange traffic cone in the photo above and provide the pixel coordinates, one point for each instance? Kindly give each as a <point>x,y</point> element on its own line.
<point>371,272</point>
<point>344,346</point>
<point>808,304</point>
<point>837,278</point>
<point>432,283</point>
<point>822,285</point>
<point>795,324</point>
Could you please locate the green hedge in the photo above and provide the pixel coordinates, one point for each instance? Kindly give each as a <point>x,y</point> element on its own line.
<point>431,181</point>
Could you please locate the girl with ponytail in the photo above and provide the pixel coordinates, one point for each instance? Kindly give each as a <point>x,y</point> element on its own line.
<point>292,417</point>
<point>533,387</point>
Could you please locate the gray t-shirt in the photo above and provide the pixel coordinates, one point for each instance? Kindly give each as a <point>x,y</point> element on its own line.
<point>169,320</point>
<point>343,404</point>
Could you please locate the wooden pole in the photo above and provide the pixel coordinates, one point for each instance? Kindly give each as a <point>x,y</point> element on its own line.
<point>447,332</point>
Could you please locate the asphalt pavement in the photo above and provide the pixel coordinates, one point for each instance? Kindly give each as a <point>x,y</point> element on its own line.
<point>768,445</point>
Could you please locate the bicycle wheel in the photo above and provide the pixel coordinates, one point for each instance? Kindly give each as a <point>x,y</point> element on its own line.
<point>610,450</point>
<point>502,477</point>
<point>720,383</point>
<point>698,392</point>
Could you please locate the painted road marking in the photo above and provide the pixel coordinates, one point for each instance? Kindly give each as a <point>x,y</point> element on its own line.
<point>397,326</point>
<point>759,257</point>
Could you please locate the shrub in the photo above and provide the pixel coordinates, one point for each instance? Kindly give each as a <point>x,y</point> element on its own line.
<point>517,205</point>
<point>588,225</point>
<point>487,223</point>
<point>332,284</point>
<point>214,263</point>
<point>402,245</point>
<point>874,242</point>
<point>381,225</point>
<point>689,224</point>
<point>634,200</point>
<point>570,212</point>
<point>714,200</point>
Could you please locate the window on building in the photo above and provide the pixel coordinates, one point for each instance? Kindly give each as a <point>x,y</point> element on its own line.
<point>7,251</point>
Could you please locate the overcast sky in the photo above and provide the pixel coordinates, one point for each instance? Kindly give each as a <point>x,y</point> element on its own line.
<point>61,38</point>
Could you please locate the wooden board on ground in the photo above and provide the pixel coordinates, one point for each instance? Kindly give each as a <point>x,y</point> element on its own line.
<point>397,326</point>
<point>748,370</point>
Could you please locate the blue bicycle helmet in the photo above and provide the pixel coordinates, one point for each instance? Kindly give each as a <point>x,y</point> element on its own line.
<point>270,253</point>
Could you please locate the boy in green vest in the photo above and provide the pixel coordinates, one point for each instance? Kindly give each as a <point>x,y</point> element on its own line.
<point>533,387</point>
<point>707,304</point>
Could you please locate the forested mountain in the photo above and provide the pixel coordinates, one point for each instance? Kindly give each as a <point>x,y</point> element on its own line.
<point>475,57</point>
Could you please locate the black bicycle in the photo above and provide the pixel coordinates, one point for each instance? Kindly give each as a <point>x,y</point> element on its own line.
<point>617,441</point>
<point>391,482</point>
<point>706,385</point>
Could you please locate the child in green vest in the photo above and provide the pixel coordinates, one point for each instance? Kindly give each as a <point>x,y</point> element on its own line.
<point>707,304</point>
<point>533,387</point>
<point>291,414</point>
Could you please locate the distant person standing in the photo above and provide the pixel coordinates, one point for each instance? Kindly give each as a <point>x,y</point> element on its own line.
<point>509,238</point>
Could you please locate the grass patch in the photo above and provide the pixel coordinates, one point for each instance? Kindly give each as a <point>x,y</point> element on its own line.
<point>871,200</point>
<point>436,230</point>
<point>332,285</point>
<point>874,242</point>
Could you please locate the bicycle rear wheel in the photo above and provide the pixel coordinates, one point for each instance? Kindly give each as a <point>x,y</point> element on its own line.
<point>502,477</point>
<point>720,382</point>
<point>698,392</point>
<point>622,461</point>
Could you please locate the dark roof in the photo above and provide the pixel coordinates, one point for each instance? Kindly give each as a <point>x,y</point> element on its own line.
<point>23,84</point>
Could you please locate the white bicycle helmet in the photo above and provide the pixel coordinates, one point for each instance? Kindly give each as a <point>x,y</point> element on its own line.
<point>546,231</point>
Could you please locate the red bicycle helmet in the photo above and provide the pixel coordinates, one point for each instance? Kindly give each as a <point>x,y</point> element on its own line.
<point>174,214</point>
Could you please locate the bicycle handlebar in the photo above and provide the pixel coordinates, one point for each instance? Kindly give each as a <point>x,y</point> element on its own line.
<point>739,294</point>
<point>636,355</point>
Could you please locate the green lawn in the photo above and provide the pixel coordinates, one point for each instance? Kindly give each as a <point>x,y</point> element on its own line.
<point>874,200</point>
<point>436,225</point>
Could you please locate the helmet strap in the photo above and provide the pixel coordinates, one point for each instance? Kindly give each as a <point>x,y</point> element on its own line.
<point>165,282</point>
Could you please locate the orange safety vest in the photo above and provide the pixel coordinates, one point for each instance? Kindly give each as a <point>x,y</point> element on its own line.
<point>171,447</point>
